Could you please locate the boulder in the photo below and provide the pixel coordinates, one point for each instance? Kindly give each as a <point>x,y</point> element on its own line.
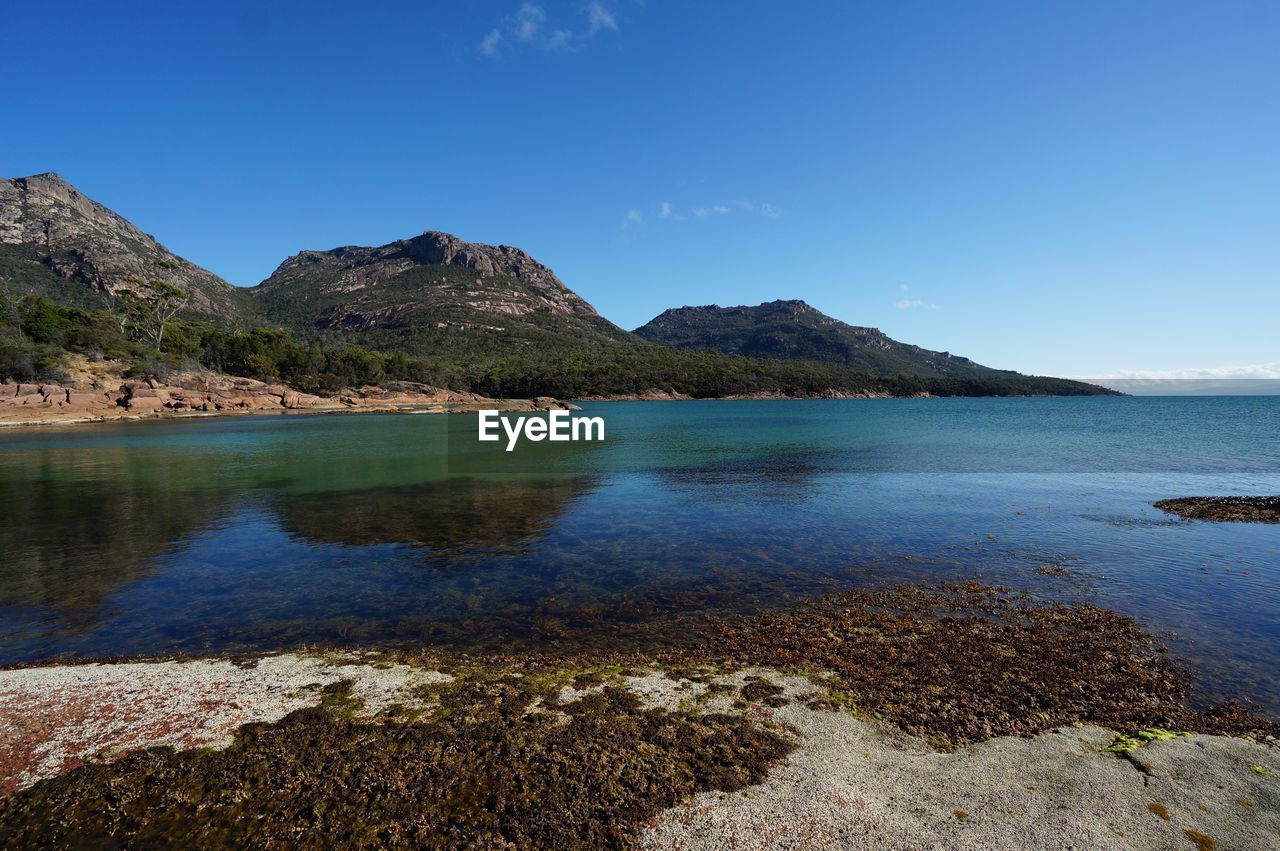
<point>79,399</point>
<point>294,399</point>
<point>144,404</point>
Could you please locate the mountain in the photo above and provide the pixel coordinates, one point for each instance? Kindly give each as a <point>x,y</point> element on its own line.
<point>794,330</point>
<point>57,243</point>
<point>431,309</point>
<point>431,293</point>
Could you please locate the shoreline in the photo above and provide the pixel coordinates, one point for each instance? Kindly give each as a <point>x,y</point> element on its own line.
<point>479,403</point>
<point>199,395</point>
<point>665,396</point>
<point>505,405</point>
<point>195,395</point>
<point>887,718</point>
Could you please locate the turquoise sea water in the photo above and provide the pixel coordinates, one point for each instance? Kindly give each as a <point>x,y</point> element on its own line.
<point>277,531</point>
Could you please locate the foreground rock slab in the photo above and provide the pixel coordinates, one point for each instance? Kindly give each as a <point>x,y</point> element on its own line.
<point>853,785</point>
<point>54,719</point>
<point>849,781</point>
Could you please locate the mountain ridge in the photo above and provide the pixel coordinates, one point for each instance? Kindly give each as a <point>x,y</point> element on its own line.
<point>430,308</point>
<point>427,286</point>
<point>792,329</point>
<point>45,219</point>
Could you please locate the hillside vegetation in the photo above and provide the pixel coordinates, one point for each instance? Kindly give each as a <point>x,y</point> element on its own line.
<point>36,335</point>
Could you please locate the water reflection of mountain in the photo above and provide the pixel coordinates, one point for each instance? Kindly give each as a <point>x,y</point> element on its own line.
<point>784,475</point>
<point>68,544</point>
<point>450,516</point>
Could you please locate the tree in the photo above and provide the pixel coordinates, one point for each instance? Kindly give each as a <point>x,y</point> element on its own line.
<point>10,309</point>
<point>117,304</point>
<point>150,305</point>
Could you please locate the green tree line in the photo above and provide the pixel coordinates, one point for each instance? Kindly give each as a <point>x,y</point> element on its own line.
<point>142,329</point>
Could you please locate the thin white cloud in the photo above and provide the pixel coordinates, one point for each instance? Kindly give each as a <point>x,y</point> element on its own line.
<point>530,25</point>
<point>600,18</point>
<point>559,40</point>
<point>667,210</point>
<point>915,304</point>
<point>766,209</point>
<point>903,287</point>
<point>634,217</point>
<point>1255,370</point>
<point>491,43</point>
<point>529,20</point>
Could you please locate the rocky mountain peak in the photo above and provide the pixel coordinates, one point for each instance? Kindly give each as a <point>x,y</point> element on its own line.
<point>795,330</point>
<point>715,314</point>
<point>798,305</point>
<point>429,288</point>
<point>435,247</point>
<point>47,182</point>
<point>51,223</point>
<point>506,280</point>
<point>31,206</point>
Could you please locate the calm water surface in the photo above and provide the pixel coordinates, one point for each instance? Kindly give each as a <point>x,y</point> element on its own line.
<point>277,531</point>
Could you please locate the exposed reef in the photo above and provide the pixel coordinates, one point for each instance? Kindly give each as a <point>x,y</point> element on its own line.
<point>1240,509</point>
<point>960,663</point>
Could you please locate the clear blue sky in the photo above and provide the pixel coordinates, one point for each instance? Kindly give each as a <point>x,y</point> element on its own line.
<point>1069,188</point>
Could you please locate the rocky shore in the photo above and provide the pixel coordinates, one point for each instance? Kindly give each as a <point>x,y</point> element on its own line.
<point>1240,509</point>
<point>656,395</point>
<point>827,394</point>
<point>355,748</point>
<point>650,395</point>
<point>903,718</point>
<point>213,394</point>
